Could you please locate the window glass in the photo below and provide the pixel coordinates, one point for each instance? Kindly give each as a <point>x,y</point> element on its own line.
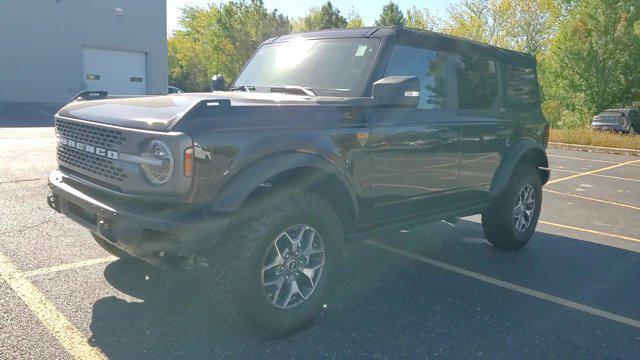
<point>429,66</point>
<point>477,83</point>
<point>329,67</point>
<point>521,87</point>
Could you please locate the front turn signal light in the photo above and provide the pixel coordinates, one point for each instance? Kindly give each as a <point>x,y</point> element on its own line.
<point>188,162</point>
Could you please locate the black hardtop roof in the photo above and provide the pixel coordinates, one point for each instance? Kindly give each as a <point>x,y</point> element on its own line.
<point>422,38</point>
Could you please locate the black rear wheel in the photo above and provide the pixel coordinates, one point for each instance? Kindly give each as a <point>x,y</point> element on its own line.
<point>512,219</point>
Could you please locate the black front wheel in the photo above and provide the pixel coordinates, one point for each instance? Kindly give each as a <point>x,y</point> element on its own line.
<point>275,269</point>
<point>512,219</point>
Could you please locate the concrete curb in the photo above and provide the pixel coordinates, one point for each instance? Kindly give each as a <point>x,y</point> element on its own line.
<point>594,149</point>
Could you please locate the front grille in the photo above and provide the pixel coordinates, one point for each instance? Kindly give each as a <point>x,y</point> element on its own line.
<point>100,168</point>
<point>106,138</point>
<point>98,165</point>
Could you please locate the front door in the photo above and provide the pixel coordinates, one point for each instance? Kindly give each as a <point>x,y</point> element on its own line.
<point>415,152</point>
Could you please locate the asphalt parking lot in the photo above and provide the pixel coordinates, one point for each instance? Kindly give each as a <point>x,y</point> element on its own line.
<point>436,291</point>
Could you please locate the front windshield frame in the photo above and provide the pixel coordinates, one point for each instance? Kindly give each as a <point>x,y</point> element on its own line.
<point>359,87</point>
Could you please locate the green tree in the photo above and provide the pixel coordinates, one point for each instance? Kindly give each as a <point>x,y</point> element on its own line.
<point>594,62</point>
<point>219,39</point>
<point>532,24</point>
<point>421,19</point>
<point>391,16</point>
<point>481,20</point>
<point>354,20</point>
<point>523,25</point>
<point>325,17</point>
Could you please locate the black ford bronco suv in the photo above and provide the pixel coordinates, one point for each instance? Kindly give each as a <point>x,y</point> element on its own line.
<point>324,138</point>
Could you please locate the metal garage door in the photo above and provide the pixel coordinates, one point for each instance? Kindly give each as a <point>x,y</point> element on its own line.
<point>118,72</point>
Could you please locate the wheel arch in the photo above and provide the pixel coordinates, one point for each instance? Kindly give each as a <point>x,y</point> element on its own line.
<point>527,152</point>
<point>290,170</point>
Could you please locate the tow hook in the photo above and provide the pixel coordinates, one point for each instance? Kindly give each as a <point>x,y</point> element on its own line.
<point>53,202</point>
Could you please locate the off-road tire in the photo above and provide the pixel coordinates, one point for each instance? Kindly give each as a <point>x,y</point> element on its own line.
<point>498,221</point>
<point>234,277</point>
<point>110,248</point>
<point>632,130</point>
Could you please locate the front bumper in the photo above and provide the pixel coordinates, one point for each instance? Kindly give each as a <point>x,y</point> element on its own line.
<point>152,232</point>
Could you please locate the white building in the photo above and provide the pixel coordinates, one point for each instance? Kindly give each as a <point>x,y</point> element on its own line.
<point>51,50</point>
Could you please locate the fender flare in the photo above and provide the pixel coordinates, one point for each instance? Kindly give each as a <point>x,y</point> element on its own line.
<point>240,186</point>
<point>514,154</point>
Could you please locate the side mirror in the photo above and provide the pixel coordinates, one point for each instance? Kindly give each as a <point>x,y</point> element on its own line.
<point>397,91</point>
<point>217,83</point>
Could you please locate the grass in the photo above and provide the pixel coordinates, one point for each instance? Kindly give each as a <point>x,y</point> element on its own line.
<point>595,138</point>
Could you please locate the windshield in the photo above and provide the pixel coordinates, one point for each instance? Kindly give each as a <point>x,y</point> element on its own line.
<point>327,67</point>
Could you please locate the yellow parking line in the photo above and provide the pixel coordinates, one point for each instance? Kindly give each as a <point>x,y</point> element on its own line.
<point>510,286</point>
<point>592,172</point>
<point>599,175</point>
<point>590,231</point>
<point>58,325</point>
<point>592,199</point>
<point>583,159</point>
<point>69,266</point>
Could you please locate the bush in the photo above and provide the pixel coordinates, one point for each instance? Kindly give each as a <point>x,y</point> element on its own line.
<point>574,120</point>
<point>552,111</point>
<point>595,138</point>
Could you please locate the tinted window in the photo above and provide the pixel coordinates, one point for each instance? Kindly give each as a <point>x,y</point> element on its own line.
<point>429,66</point>
<point>477,83</point>
<point>521,87</point>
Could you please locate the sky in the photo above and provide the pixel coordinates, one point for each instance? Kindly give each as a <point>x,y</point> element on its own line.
<point>369,10</point>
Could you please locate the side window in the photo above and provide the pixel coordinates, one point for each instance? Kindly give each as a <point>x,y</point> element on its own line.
<point>429,66</point>
<point>477,83</point>
<point>521,87</point>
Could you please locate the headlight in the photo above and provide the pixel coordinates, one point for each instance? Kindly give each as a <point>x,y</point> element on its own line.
<point>158,174</point>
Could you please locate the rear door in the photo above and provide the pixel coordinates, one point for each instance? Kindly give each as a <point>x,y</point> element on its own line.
<point>485,133</point>
<point>415,152</point>
<point>118,72</point>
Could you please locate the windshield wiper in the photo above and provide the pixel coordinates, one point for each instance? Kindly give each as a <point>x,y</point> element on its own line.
<point>242,88</point>
<point>288,89</point>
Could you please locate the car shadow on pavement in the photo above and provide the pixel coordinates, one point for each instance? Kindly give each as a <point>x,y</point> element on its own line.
<point>388,306</point>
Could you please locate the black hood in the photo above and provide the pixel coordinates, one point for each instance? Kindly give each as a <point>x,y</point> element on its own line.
<point>161,113</point>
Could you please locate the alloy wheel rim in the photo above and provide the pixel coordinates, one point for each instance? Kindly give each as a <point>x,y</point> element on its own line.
<point>292,266</point>
<point>524,209</point>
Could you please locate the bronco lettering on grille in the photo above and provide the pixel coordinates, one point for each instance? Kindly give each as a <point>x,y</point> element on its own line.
<point>113,155</point>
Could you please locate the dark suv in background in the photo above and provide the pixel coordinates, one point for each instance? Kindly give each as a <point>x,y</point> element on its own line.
<point>324,138</point>
<point>620,120</point>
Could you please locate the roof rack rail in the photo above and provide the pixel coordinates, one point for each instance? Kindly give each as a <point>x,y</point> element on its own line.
<point>91,95</point>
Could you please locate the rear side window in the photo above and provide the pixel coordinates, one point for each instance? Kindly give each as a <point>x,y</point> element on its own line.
<point>521,87</point>
<point>429,66</point>
<point>477,83</point>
